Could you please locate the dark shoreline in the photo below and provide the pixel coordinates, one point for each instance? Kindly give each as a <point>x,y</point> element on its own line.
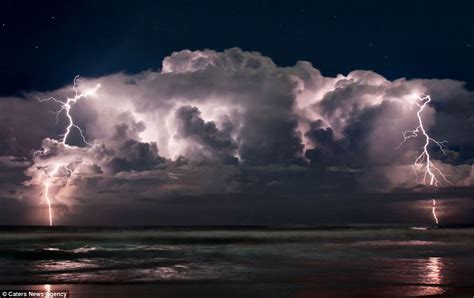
<point>247,289</point>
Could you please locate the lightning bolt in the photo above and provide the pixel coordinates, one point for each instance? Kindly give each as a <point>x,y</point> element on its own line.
<point>423,161</point>
<point>47,186</point>
<point>433,211</point>
<point>65,106</point>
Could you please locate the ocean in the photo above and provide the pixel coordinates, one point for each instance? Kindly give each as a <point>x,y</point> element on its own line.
<point>349,261</point>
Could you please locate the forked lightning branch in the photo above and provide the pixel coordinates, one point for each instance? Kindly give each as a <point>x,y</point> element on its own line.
<point>65,108</point>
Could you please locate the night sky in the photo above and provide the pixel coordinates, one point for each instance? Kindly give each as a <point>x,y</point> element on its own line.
<point>45,43</point>
<point>235,113</point>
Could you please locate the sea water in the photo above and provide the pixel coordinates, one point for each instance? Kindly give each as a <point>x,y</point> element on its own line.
<point>399,260</point>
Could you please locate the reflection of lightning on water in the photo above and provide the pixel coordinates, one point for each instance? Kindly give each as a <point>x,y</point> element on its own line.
<point>432,273</point>
<point>423,161</point>
<point>65,106</point>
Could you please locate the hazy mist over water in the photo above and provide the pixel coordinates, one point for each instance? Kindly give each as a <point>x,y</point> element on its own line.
<point>415,261</point>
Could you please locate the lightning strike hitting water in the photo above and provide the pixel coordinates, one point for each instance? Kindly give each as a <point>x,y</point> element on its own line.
<point>433,211</point>
<point>423,161</point>
<point>47,185</point>
<point>66,107</point>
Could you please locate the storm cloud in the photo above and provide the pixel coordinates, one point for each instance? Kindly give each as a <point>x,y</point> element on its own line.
<point>231,122</point>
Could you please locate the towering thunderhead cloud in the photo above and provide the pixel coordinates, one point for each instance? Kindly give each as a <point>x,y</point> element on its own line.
<point>232,122</point>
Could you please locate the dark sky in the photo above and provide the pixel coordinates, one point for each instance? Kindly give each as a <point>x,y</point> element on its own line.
<point>45,43</point>
<point>208,113</point>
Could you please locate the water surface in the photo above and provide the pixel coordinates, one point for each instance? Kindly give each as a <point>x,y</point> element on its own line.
<point>369,260</point>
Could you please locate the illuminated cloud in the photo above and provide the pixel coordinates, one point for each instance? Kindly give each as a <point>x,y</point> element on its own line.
<point>233,122</point>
